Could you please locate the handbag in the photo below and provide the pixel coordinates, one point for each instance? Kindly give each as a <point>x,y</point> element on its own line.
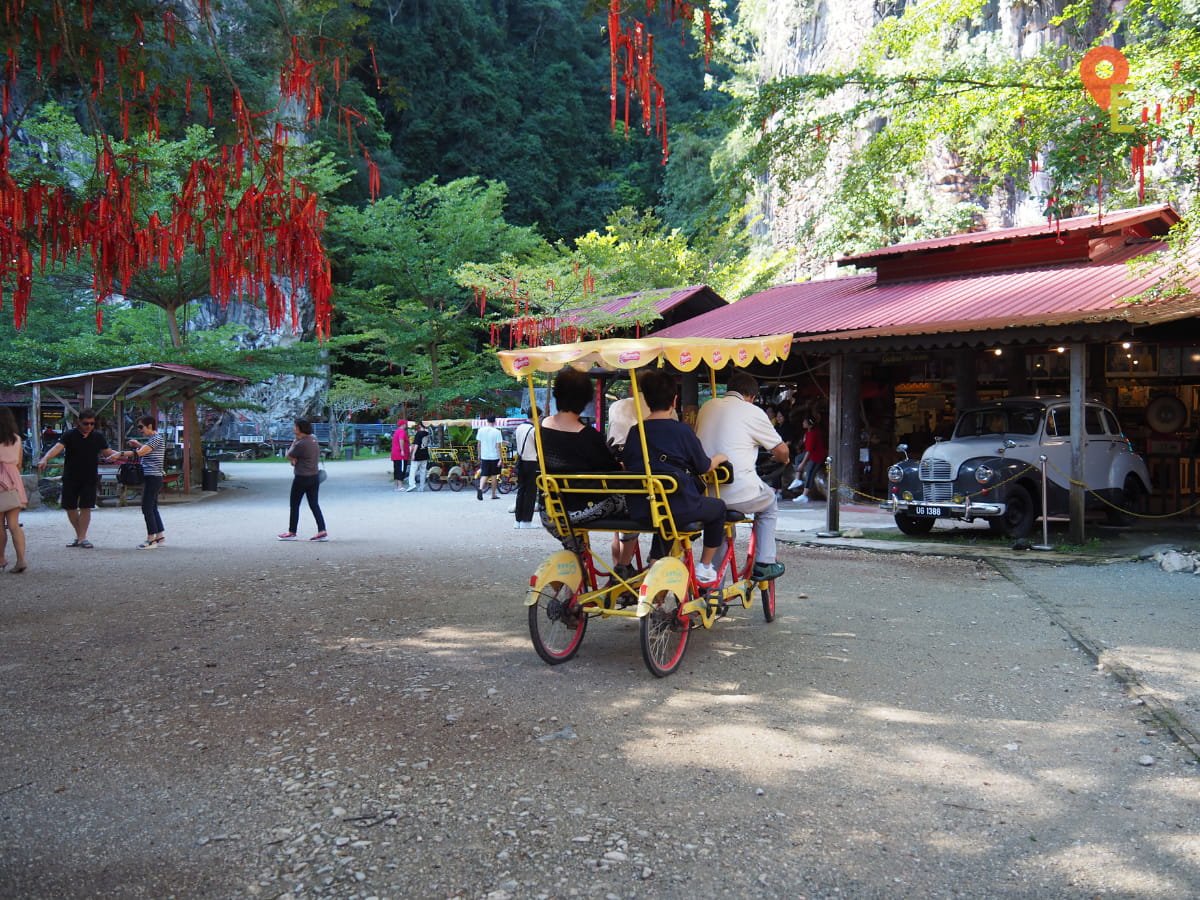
<point>130,474</point>
<point>9,499</point>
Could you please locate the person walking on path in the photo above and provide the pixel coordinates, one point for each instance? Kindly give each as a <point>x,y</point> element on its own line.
<point>305,457</point>
<point>12,454</point>
<point>733,425</point>
<point>84,446</point>
<point>489,438</point>
<point>527,472</point>
<point>420,457</point>
<point>813,456</point>
<point>400,453</point>
<point>150,452</point>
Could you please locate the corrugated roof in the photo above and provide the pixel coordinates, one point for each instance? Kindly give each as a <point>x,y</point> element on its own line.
<point>858,306</point>
<point>667,299</point>
<point>1158,218</point>
<point>159,378</point>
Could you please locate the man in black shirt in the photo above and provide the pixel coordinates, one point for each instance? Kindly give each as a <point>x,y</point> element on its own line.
<point>84,446</point>
<point>420,457</point>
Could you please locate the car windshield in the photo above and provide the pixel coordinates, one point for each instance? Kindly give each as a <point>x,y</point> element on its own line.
<point>998,420</point>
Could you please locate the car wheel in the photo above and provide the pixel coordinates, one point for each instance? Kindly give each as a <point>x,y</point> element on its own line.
<point>1019,514</point>
<point>1131,500</point>
<point>910,524</point>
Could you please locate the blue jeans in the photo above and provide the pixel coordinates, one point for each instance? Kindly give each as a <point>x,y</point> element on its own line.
<point>151,485</point>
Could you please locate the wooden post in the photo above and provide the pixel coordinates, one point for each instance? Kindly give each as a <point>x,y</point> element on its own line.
<point>35,423</point>
<point>966,374</point>
<point>836,402</point>
<point>1078,428</point>
<point>190,439</point>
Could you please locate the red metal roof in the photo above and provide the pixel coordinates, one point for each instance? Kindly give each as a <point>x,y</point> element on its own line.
<point>1152,219</point>
<point>860,306</point>
<point>699,298</point>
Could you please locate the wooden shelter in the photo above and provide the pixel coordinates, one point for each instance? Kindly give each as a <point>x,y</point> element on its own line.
<point>147,384</point>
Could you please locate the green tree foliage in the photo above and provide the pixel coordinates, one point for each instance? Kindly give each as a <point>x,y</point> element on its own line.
<point>517,91</point>
<point>931,84</point>
<point>635,253</point>
<point>404,318</point>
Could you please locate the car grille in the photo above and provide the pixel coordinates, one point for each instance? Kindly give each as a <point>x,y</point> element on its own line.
<point>937,491</point>
<point>936,486</point>
<point>935,470</point>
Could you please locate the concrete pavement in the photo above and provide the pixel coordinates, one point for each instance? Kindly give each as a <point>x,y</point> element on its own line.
<point>1131,618</point>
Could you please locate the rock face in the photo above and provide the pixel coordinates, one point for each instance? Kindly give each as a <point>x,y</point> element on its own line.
<point>285,397</point>
<point>803,37</point>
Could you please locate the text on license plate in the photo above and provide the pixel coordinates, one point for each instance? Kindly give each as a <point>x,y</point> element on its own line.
<point>934,511</point>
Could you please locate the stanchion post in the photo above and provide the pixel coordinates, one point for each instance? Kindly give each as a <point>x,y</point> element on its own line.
<point>1045,544</point>
<point>833,504</point>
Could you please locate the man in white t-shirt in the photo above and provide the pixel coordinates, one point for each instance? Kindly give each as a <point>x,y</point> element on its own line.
<point>733,425</point>
<point>525,451</point>
<point>489,438</point>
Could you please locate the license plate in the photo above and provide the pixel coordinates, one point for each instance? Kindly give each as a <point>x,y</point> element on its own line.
<point>933,511</point>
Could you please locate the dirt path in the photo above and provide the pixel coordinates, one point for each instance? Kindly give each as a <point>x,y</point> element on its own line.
<point>232,716</point>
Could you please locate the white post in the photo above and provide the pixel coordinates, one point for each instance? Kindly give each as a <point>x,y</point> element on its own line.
<point>1045,544</point>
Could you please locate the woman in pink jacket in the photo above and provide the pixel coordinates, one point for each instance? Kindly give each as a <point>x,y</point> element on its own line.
<point>400,453</point>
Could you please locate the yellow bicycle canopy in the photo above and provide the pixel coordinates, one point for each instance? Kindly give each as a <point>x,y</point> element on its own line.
<point>685,354</point>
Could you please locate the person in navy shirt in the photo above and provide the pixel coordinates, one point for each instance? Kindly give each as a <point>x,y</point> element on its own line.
<point>675,450</point>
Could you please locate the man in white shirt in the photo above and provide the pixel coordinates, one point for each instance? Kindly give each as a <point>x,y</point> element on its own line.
<point>525,451</point>
<point>733,425</point>
<point>489,438</point>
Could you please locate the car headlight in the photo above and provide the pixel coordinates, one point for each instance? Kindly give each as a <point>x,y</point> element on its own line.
<point>984,474</point>
<point>895,474</point>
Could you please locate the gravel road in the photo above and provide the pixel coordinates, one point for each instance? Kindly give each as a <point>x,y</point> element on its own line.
<point>231,716</point>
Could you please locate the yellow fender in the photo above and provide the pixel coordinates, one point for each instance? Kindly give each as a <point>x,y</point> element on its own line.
<point>434,470</point>
<point>668,574</point>
<point>455,470</point>
<point>562,566</point>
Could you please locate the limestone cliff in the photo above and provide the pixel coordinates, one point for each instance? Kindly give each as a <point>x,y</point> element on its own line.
<point>803,37</point>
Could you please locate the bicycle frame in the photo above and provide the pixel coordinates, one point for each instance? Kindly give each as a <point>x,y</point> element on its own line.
<point>565,591</point>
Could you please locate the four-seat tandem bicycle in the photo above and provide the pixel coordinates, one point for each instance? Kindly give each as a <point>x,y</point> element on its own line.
<point>570,588</point>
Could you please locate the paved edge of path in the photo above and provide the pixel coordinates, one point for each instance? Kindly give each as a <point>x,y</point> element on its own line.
<point>1160,709</point>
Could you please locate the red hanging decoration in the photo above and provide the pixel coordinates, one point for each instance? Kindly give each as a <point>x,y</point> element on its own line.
<point>260,229</point>
<point>631,64</point>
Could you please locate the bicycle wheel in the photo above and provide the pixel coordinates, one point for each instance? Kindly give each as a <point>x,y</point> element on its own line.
<point>556,623</point>
<point>456,481</point>
<point>506,484</point>
<point>434,480</point>
<point>664,634</point>
<point>768,601</point>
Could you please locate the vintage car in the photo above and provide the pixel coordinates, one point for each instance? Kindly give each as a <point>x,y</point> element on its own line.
<point>991,468</point>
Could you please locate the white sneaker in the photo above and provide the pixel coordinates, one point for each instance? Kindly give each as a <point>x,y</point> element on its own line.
<point>705,574</point>
<point>411,487</point>
<point>801,499</point>
<point>796,485</point>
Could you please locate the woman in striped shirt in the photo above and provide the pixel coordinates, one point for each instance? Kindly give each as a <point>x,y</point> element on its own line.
<point>149,451</point>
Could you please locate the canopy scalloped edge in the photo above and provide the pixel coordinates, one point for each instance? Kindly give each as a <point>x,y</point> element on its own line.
<point>685,354</point>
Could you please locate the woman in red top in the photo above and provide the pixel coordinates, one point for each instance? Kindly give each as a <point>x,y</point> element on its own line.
<point>814,455</point>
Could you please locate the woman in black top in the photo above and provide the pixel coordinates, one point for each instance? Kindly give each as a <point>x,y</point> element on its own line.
<point>569,445</point>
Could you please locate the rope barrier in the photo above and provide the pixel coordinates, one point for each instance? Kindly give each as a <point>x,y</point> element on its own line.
<point>842,487</point>
<point>1120,509</point>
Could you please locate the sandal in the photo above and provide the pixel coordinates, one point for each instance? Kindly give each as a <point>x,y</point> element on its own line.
<point>148,544</point>
<point>74,543</point>
<point>18,569</point>
<point>86,545</point>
